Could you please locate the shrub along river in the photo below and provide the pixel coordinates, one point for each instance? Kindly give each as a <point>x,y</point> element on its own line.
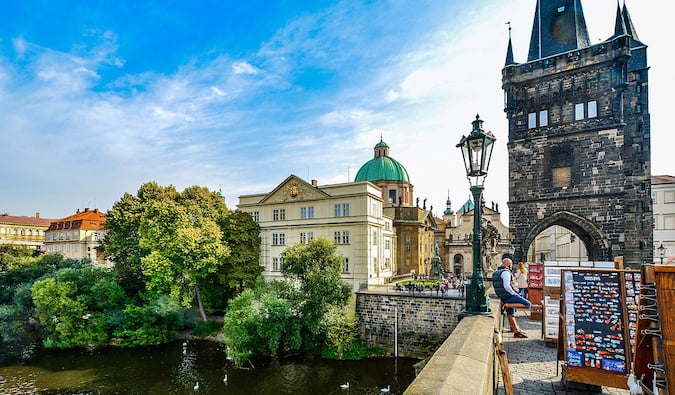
<point>196,366</point>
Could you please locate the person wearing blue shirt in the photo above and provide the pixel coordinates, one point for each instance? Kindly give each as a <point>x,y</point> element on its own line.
<point>501,282</point>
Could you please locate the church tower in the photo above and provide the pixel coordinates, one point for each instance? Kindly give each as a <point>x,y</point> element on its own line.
<point>579,135</point>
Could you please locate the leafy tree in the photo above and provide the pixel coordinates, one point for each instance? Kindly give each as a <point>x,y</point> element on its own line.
<point>186,248</point>
<point>122,240</point>
<point>316,268</point>
<point>74,306</point>
<point>153,323</point>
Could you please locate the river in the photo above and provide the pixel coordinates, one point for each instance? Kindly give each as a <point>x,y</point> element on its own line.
<point>196,366</point>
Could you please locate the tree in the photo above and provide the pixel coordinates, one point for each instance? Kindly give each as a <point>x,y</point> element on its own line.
<point>185,243</point>
<point>316,268</point>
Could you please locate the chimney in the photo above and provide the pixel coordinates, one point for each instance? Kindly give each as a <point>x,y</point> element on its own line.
<point>314,183</point>
<point>86,209</point>
<point>37,215</point>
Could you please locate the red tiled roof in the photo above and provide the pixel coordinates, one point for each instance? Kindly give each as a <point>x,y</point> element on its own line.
<point>87,219</point>
<point>665,179</point>
<point>23,220</point>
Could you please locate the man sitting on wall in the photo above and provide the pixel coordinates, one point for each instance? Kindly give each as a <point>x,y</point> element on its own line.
<point>501,281</point>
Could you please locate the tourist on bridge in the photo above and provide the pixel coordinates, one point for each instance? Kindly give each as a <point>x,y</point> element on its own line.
<point>501,281</point>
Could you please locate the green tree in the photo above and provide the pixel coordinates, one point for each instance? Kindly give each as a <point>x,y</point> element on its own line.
<point>316,268</point>
<point>186,248</point>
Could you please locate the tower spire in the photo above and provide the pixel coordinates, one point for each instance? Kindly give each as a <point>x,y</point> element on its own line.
<point>509,50</point>
<point>559,26</point>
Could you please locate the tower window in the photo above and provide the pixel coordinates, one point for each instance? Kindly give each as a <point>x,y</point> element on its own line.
<point>578,111</point>
<point>532,120</point>
<point>543,118</point>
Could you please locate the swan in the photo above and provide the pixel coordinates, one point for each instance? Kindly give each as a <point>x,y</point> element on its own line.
<point>225,379</point>
<point>345,385</point>
<point>196,387</point>
<point>385,390</point>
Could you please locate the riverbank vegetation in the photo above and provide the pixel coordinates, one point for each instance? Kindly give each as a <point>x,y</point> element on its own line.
<point>173,253</point>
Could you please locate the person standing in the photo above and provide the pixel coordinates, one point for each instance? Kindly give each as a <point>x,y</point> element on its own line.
<point>521,279</point>
<point>501,281</point>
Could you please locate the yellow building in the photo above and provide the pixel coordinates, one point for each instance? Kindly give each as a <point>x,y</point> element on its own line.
<point>349,214</point>
<point>22,230</point>
<point>77,236</point>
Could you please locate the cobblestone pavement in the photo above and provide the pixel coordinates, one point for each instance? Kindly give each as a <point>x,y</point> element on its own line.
<point>533,365</point>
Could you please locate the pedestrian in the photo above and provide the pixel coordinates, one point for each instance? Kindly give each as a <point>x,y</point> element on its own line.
<point>510,300</point>
<point>521,279</point>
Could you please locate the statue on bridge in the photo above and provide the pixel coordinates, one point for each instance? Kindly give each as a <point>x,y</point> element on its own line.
<point>436,263</point>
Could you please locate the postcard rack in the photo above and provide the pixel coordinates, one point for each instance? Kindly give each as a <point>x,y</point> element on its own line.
<point>654,362</point>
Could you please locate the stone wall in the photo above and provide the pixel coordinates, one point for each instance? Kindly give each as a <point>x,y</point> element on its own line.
<point>424,322</point>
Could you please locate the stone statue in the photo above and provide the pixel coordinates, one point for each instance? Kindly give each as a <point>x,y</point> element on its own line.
<point>436,263</point>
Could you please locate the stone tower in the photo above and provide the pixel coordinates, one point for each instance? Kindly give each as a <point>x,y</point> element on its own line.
<point>579,140</point>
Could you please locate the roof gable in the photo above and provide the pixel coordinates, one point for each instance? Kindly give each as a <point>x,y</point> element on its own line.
<point>294,188</point>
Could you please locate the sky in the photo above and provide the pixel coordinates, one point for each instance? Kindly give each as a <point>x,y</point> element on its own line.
<point>99,97</point>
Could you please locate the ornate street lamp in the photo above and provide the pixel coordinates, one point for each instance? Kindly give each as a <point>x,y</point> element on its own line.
<point>662,252</point>
<point>477,151</point>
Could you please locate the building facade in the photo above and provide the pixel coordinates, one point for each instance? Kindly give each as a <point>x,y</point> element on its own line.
<point>78,236</point>
<point>579,136</point>
<point>350,214</point>
<point>458,238</point>
<point>663,198</point>
<point>22,230</point>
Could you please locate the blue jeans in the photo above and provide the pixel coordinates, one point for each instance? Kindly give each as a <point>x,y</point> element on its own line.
<point>516,299</point>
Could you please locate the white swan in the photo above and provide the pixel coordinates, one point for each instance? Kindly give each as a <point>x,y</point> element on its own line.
<point>345,385</point>
<point>225,379</point>
<point>196,387</point>
<point>385,390</point>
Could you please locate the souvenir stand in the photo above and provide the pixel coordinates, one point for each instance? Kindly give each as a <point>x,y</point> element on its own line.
<point>598,315</point>
<point>535,286</point>
<point>654,361</point>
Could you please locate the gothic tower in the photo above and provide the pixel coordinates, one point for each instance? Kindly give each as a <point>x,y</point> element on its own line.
<point>579,140</point>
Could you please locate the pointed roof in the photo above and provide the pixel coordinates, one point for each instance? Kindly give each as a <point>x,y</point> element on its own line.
<point>619,23</point>
<point>509,50</point>
<point>559,26</point>
<point>630,29</point>
<point>466,207</point>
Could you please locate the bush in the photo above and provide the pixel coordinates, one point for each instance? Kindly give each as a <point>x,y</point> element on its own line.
<point>207,328</point>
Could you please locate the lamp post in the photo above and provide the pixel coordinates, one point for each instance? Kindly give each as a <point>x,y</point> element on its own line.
<point>477,151</point>
<point>662,252</point>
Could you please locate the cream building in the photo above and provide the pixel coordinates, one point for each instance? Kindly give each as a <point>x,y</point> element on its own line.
<point>22,230</point>
<point>349,214</point>
<point>663,200</point>
<point>77,236</point>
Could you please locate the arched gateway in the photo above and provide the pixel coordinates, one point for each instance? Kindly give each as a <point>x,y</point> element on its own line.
<point>579,145</point>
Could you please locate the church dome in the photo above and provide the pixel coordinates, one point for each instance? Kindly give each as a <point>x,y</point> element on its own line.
<point>382,167</point>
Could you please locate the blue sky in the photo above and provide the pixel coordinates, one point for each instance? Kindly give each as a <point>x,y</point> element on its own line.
<point>99,97</point>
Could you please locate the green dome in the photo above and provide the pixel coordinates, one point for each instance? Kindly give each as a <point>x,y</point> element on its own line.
<point>382,167</point>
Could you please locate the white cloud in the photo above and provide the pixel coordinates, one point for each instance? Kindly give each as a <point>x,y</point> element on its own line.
<point>244,68</point>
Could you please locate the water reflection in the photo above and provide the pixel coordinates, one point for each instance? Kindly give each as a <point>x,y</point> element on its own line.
<point>179,367</point>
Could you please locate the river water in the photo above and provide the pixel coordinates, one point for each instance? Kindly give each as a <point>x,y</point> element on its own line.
<point>193,367</point>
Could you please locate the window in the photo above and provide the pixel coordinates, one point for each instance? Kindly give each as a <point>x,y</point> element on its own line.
<point>76,248</point>
<point>592,109</point>
<point>341,237</point>
<point>279,214</point>
<point>392,196</point>
<point>255,215</point>
<point>532,120</point>
<point>345,267</point>
<point>578,111</point>
<point>387,263</point>
<point>276,264</point>
<point>543,118</point>
<point>341,210</point>
<point>374,237</point>
<point>307,212</point>
<point>669,221</point>
<point>375,209</point>
<point>306,237</point>
<point>387,244</point>
<point>669,197</point>
<point>278,239</point>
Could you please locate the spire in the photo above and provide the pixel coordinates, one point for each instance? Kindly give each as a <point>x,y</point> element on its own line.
<point>559,26</point>
<point>630,29</point>
<point>448,206</point>
<point>619,24</point>
<point>509,50</point>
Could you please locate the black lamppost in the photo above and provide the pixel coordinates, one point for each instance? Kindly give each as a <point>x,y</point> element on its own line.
<point>662,252</point>
<point>477,151</point>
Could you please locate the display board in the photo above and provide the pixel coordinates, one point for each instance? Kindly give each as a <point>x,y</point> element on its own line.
<point>535,285</point>
<point>595,325</point>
